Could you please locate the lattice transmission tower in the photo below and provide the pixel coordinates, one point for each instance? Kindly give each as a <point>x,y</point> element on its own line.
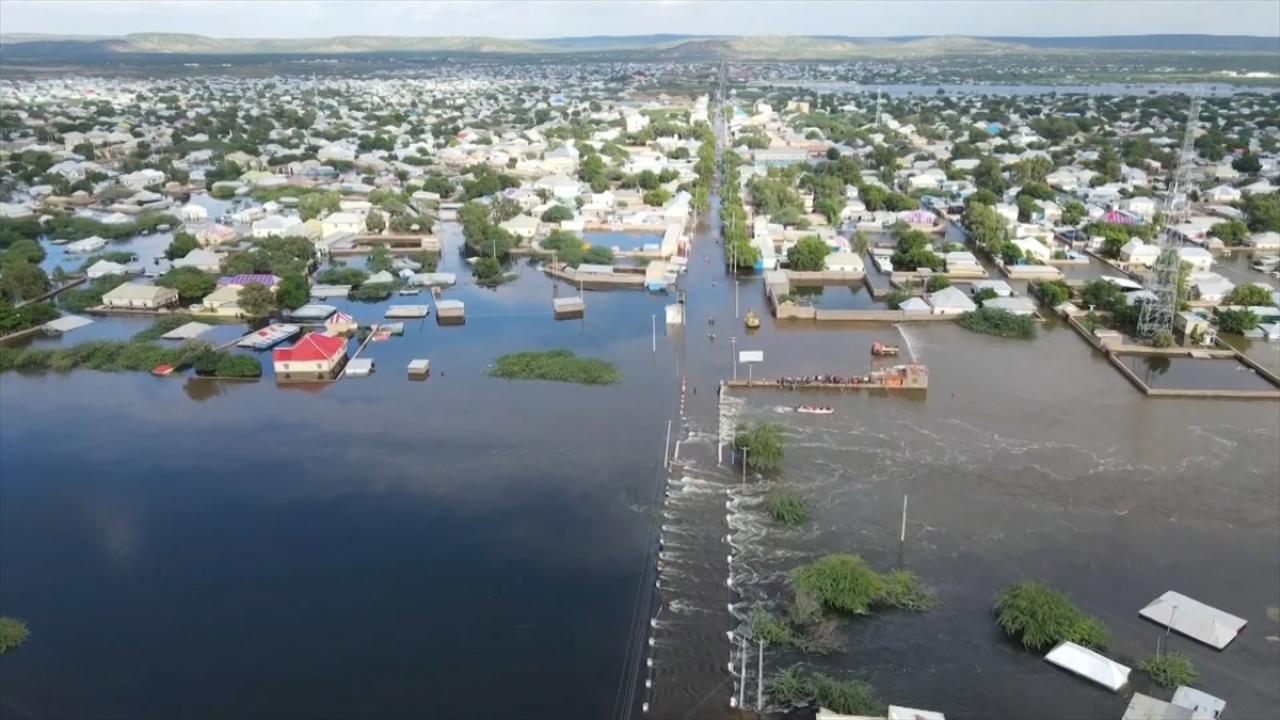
<point>1157,314</point>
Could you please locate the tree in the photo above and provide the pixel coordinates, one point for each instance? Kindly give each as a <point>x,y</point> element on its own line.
<point>938,282</point>
<point>1251,295</point>
<point>1247,164</point>
<point>293,291</point>
<point>313,205</point>
<point>860,243</point>
<point>656,198</point>
<point>1231,233</point>
<point>22,281</point>
<point>1102,294</point>
<point>487,270</point>
<point>647,179</point>
<point>989,176</point>
<point>256,300</point>
<point>1263,212</point>
<point>1236,321</point>
<point>1032,170</point>
<point>182,244</point>
<point>763,445</point>
<point>380,259</point>
<point>808,255</point>
<point>374,222</point>
<point>914,250</point>
<point>191,284</point>
<point>1073,213</point>
<point>556,214</point>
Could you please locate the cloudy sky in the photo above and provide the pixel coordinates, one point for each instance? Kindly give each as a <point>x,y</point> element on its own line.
<point>533,19</point>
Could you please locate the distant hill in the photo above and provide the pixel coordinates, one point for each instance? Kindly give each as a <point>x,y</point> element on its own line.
<point>28,47</point>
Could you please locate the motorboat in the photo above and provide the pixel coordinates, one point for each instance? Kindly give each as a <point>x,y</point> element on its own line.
<point>879,348</point>
<point>815,409</point>
<point>752,320</point>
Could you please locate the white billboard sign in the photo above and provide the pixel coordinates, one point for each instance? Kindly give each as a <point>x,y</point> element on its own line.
<point>751,356</point>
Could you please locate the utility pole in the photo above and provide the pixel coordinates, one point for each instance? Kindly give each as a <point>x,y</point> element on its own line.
<point>735,296</point>
<point>654,318</point>
<point>760,680</point>
<point>744,465</point>
<point>902,536</point>
<point>733,343</point>
<point>742,681</point>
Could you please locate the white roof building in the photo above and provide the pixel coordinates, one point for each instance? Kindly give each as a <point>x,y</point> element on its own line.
<point>1089,665</point>
<point>200,259</point>
<point>1136,252</point>
<point>950,301</point>
<point>1194,619</point>
<point>278,226</point>
<point>103,268</point>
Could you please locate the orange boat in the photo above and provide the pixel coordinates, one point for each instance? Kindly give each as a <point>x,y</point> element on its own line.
<point>162,370</point>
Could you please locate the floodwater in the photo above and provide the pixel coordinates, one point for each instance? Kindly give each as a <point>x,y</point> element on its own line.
<point>1194,373</point>
<point>460,547</point>
<point>625,241</point>
<point>836,297</point>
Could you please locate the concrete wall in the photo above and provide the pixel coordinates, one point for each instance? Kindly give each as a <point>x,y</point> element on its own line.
<point>822,277</point>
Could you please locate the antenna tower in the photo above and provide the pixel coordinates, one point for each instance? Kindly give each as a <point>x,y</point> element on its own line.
<point>1157,314</point>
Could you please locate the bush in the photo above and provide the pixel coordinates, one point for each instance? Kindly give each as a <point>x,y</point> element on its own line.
<point>936,283</point>
<point>896,298</point>
<point>239,366</point>
<point>555,366</point>
<point>786,507</point>
<point>1250,295</point>
<point>487,271</point>
<point>341,276</point>
<point>28,316</point>
<point>373,292</point>
<point>1040,617</point>
<point>846,583</point>
<point>1001,323</point>
<point>13,633</point>
<point>774,632</point>
<point>763,443</point>
<point>1170,669</point>
<point>851,697</point>
<point>1052,293</point>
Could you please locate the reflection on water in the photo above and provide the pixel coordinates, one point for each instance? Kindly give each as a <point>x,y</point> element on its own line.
<point>1195,373</point>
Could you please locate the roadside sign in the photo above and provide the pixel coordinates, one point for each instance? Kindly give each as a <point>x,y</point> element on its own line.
<point>751,356</point>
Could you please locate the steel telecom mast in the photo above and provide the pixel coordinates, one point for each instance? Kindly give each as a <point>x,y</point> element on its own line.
<point>1157,314</point>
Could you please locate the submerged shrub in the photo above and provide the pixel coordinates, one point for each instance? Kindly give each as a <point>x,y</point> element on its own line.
<point>1040,617</point>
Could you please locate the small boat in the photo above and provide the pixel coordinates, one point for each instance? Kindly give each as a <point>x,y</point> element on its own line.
<point>752,320</point>
<point>879,348</point>
<point>162,370</point>
<point>409,291</point>
<point>815,409</point>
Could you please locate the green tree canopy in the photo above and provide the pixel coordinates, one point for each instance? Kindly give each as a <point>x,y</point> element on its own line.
<point>256,301</point>
<point>808,254</point>
<point>293,292</point>
<point>763,444</point>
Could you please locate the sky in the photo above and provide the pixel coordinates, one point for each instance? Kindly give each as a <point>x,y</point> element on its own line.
<point>536,18</point>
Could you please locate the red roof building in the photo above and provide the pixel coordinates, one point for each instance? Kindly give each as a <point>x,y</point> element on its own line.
<point>313,357</point>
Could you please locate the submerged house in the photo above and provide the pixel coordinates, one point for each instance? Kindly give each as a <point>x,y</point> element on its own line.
<point>313,357</point>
